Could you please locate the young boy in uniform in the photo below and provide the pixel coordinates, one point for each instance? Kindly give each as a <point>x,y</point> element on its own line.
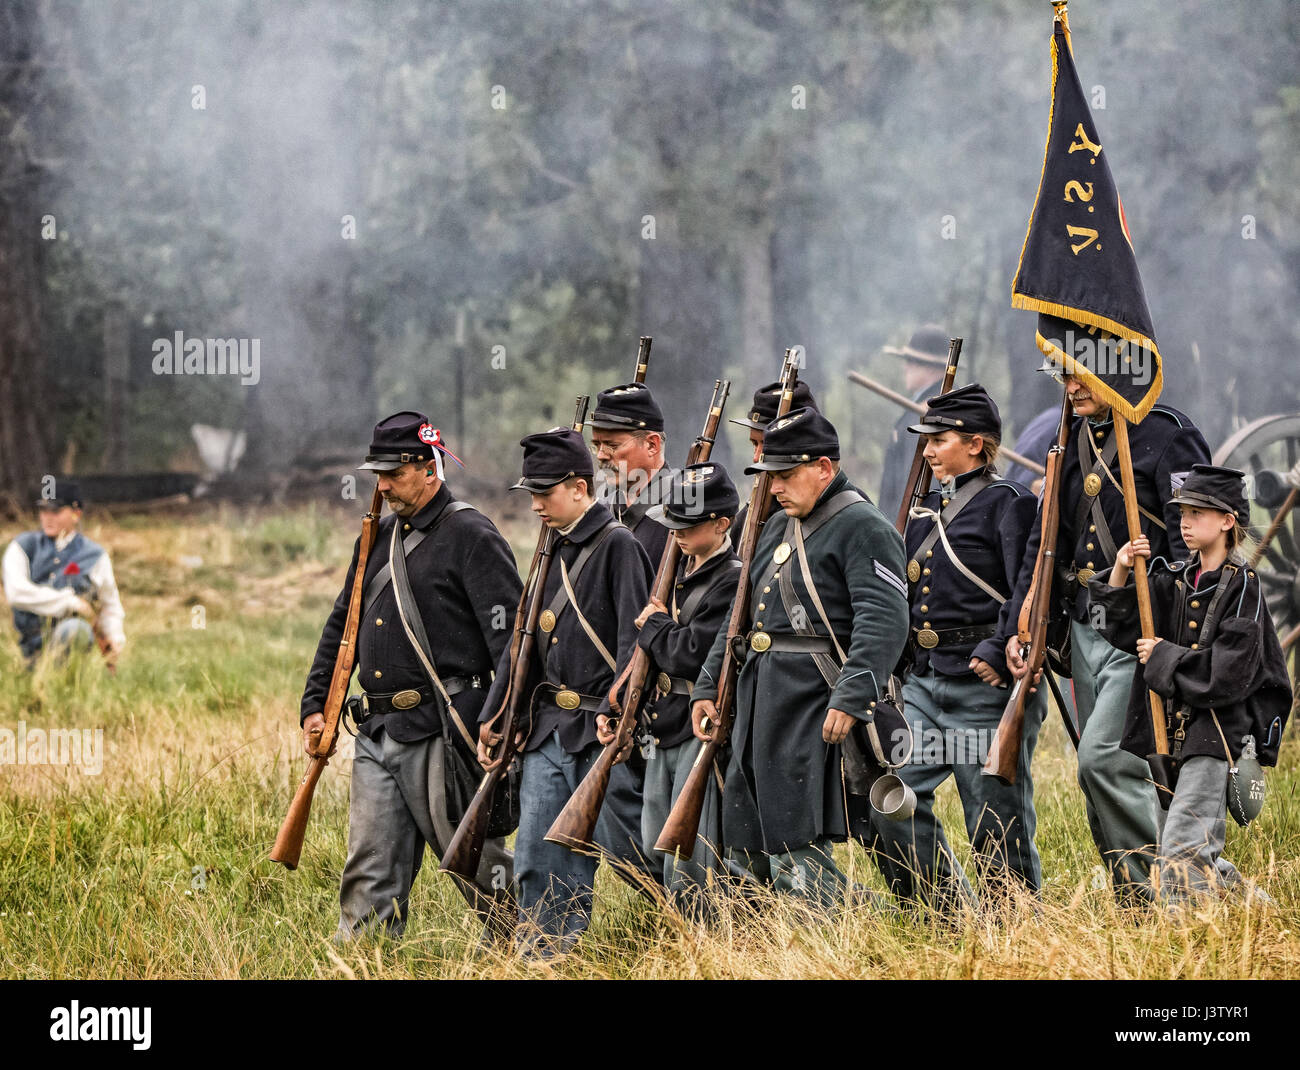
<point>699,512</point>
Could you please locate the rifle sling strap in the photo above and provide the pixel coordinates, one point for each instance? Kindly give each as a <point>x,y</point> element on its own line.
<point>1091,503</point>
<point>381,579</point>
<point>683,613</point>
<point>947,515</point>
<point>413,622</point>
<point>567,595</point>
<point>796,533</point>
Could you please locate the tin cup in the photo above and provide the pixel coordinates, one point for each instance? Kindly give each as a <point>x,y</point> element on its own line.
<point>893,799</point>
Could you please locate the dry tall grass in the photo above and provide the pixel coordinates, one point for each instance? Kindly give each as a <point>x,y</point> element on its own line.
<point>157,867</point>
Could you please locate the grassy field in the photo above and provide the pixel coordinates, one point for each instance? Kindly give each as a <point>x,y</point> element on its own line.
<point>157,866</point>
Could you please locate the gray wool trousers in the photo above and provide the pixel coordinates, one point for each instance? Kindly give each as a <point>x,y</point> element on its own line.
<point>1193,831</point>
<point>399,806</point>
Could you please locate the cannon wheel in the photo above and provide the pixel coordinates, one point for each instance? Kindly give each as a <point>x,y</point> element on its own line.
<point>1266,449</point>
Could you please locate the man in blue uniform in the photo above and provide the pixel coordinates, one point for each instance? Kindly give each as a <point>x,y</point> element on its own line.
<point>677,636</point>
<point>60,584</point>
<point>595,588</point>
<point>1120,802</point>
<point>463,583</point>
<point>829,619</point>
<point>965,543</point>
<point>627,436</point>
<point>762,411</point>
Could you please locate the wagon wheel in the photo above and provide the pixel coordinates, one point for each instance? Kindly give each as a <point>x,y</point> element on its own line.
<point>1266,449</point>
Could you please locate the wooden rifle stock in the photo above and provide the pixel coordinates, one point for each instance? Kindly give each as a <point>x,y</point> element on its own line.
<point>463,854</point>
<point>575,826</point>
<point>288,843</point>
<point>918,477</point>
<point>683,824</point>
<point>1035,615</point>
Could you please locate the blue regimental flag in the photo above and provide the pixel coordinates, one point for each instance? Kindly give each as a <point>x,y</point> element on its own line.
<point>1077,268</point>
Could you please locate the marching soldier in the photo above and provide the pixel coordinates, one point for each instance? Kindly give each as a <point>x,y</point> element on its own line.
<point>627,437</point>
<point>829,621</point>
<point>1217,662</point>
<point>60,584</point>
<point>1121,805</point>
<point>594,591</point>
<point>925,357</point>
<point>762,411</point>
<point>965,543</point>
<point>462,580</point>
<point>701,507</point>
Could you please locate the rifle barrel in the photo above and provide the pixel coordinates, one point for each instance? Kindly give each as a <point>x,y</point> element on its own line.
<point>907,403</point>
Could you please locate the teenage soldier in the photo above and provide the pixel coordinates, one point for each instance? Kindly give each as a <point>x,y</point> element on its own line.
<point>965,543</point>
<point>828,624</point>
<point>60,584</point>
<point>463,581</point>
<point>924,359</point>
<point>597,585</point>
<point>761,413</point>
<point>627,437</point>
<point>701,506</point>
<point>1120,802</point>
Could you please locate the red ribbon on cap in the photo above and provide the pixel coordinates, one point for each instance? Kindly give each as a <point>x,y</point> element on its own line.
<point>433,436</point>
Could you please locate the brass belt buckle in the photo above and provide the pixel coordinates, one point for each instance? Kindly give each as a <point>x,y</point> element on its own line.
<point>760,641</point>
<point>405,700</point>
<point>664,682</point>
<point>928,638</point>
<point>568,700</point>
<point>1084,575</point>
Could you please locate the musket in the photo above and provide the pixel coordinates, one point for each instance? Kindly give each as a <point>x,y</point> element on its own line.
<point>465,851</point>
<point>642,358</point>
<point>575,827</point>
<point>904,402</point>
<point>102,641</point>
<point>1035,615</point>
<point>683,824</point>
<point>288,843</point>
<point>918,478</point>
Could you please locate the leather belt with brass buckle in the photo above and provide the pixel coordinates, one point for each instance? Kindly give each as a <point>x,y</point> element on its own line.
<point>568,699</point>
<point>784,643</point>
<point>1083,575</point>
<point>929,638</point>
<point>409,698</point>
<point>674,685</point>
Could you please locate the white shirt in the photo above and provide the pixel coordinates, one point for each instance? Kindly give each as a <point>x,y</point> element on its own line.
<point>47,601</point>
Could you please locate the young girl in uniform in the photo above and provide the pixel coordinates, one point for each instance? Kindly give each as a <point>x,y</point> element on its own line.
<point>1216,663</point>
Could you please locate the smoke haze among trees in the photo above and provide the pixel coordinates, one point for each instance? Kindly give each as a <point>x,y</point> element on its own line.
<point>448,206</point>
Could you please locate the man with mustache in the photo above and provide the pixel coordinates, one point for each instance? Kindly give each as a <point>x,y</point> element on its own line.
<point>464,585</point>
<point>1121,803</point>
<point>627,437</point>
